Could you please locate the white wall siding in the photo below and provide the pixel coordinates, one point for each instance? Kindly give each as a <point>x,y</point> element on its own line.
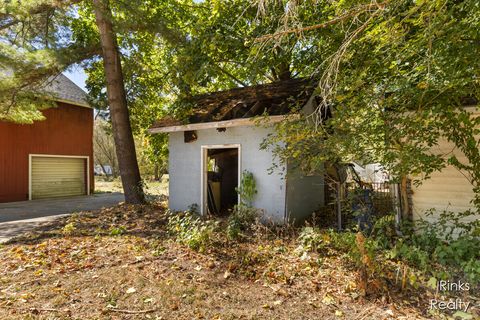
<point>185,168</point>
<point>447,190</point>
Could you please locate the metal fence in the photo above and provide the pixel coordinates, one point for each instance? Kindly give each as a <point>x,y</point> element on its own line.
<point>348,203</point>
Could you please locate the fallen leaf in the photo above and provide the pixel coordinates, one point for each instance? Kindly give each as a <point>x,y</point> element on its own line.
<point>227,274</point>
<point>148,300</point>
<point>328,300</point>
<point>131,290</point>
<point>462,315</point>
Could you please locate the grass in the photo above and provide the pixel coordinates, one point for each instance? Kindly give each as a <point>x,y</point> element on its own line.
<point>121,263</point>
<point>154,188</point>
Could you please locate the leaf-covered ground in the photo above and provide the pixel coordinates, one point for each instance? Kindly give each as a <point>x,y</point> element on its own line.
<point>120,263</point>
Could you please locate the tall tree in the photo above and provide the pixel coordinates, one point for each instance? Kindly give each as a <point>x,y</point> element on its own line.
<point>122,131</point>
<point>41,38</point>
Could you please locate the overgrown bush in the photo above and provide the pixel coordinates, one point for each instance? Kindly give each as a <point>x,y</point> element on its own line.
<point>310,239</point>
<point>423,248</point>
<point>191,230</point>
<point>243,215</point>
<point>447,247</point>
<point>451,241</point>
<point>241,220</point>
<point>316,240</point>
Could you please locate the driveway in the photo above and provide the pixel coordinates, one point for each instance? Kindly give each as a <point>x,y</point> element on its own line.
<point>20,217</point>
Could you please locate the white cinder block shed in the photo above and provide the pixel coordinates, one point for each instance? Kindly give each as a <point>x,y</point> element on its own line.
<point>221,140</point>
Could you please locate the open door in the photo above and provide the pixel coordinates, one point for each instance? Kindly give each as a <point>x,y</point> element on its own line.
<point>220,178</point>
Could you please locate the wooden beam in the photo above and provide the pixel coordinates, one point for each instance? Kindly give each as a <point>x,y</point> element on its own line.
<point>253,110</point>
<point>242,122</point>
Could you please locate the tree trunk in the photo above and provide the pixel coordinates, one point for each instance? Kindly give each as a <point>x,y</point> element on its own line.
<point>404,196</point>
<point>117,101</point>
<point>156,172</point>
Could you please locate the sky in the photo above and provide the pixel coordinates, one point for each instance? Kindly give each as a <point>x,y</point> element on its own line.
<point>77,75</point>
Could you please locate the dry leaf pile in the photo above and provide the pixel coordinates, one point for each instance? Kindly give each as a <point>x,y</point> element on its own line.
<point>120,263</point>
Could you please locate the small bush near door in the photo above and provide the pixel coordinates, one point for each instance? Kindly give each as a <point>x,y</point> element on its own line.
<point>244,215</point>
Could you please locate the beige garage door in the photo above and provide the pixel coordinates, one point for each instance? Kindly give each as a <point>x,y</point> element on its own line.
<point>57,177</point>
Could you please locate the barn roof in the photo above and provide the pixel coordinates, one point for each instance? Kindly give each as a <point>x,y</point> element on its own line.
<point>64,90</point>
<point>60,87</point>
<point>275,99</point>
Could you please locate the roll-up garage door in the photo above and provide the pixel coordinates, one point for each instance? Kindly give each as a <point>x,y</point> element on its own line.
<point>53,177</point>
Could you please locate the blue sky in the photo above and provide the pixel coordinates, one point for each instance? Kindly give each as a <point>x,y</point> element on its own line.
<point>77,75</point>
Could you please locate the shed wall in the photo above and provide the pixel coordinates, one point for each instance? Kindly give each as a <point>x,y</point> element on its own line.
<point>185,168</point>
<point>67,130</point>
<point>305,194</point>
<point>447,190</point>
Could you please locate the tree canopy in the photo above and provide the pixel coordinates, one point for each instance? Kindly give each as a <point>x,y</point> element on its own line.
<point>396,75</point>
<point>397,85</point>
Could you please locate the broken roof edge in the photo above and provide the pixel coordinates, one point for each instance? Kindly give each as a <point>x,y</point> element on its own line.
<point>241,122</point>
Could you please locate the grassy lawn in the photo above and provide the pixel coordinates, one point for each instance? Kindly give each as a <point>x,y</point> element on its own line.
<point>154,188</point>
<point>122,263</point>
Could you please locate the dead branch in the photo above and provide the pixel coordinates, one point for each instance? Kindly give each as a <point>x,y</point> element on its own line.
<point>328,81</point>
<point>352,13</point>
<point>131,311</point>
<point>38,310</point>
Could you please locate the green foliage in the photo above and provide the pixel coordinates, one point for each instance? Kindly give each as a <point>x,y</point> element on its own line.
<point>247,189</point>
<point>313,239</point>
<point>35,46</point>
<point>240,220</point>
<point>244,215</point>
<point>117,231</point>
<point>190,230</point>
<point>152,155</point>
<point>449,243</point>
<point>424,250</point>
<point>397,86</point>
<point>69,229</point>
<point>310,239</point>
<point>384,230</point>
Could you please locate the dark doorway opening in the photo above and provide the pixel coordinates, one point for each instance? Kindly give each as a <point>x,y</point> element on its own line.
<point>222,173</point>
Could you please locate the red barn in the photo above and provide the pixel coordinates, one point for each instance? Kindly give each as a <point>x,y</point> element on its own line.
<point>53,157</point>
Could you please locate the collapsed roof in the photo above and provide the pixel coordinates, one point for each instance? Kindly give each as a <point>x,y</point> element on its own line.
<point>276,98</point>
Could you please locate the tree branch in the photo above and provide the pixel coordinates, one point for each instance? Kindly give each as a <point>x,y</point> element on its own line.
<point>343,17</point>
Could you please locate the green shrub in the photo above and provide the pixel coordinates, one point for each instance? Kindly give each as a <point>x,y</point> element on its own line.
<point>241,220</point>
<point>384,232</point>
<point>244,215</point>
<point>247,189</point>
<point>117,231</point>
<point>69,229</point>
<point>310,240</point>
<point>449,243</point>
<point>423,249</point>
<point>190,230</point>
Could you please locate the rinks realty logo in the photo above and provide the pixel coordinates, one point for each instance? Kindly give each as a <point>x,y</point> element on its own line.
<point>452,304</point>
<point>444,285</point>
<point>457,304</point>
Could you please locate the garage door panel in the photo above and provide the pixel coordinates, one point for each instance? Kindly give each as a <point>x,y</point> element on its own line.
<point>57,177</point>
